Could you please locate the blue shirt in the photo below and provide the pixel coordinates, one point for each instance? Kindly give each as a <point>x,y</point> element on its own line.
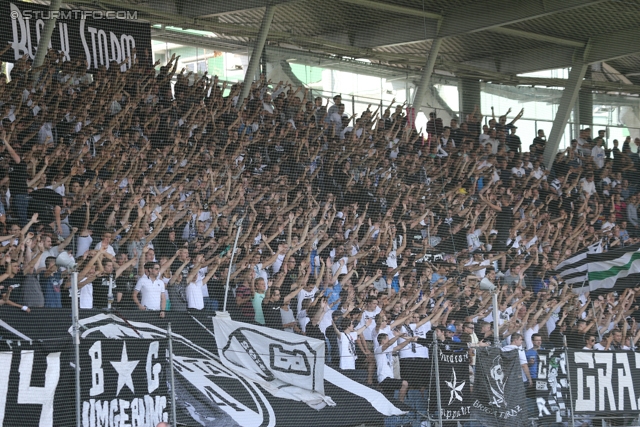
<point>435,277</point>
<point>51,287</point>
<point>333,294</point>
<point>533,369</point>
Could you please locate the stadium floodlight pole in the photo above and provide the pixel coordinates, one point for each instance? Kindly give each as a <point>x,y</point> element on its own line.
<point>45,38</point>
<point>254,61</point>
<point>233,252</point>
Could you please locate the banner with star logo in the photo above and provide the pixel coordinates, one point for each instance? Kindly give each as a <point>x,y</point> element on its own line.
<point>123,382</point>
<point>455,388</point>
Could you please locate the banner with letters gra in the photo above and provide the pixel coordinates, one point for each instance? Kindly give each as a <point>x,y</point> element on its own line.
<point>95,39</point>
<point>605,381</point>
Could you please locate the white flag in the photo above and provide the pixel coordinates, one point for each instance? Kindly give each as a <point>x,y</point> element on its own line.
<point>287,365</point>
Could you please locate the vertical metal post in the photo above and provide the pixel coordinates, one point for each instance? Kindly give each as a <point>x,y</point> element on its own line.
<point>438,398</point>
<point>496,325</point>
<point>233,252</point>
<point>254,60</point>
<point>425,81</point>
<point>566,355</point>
<point>353,105</point>
<point>172,379</point>
<point>76,340</point>
<point>568,100</point>
<point>110,293</point>
<point>45,38</point>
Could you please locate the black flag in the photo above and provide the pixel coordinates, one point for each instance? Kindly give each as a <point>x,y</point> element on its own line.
<point>498,389</point>
<point>455,389</point>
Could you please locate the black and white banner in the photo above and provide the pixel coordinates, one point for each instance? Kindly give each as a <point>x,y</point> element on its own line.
<point>605,381</point>
<point>31,376</point>
<point>288,365</point>
<point>124,366</point>
<point>552,386</point>
<point>123,382</point>
<point>95,37</point>
<point>455,388</point>
<point>498,389</point>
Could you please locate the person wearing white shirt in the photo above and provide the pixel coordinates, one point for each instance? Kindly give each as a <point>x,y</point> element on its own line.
<point>538,172</point>
<point>384,364</point>
<point>152,288</point>
<point>516,344</point>
<point>588,186</point>
<point>194,290</point>
<point>105,242</point>
<point>348,338</point>
<point>597,153</point>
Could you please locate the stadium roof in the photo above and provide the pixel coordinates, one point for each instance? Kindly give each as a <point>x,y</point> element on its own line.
<point>493,40</point>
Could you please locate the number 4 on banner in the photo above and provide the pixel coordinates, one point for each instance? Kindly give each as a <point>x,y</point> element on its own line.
<point>31,395</point>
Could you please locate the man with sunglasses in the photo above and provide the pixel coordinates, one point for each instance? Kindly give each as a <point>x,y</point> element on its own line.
<point>589,342</point>
<point>152,288</point>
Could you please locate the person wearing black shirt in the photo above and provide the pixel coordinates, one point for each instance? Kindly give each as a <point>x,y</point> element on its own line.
<point>556,338</point>
<point>101,286</point>
<point>271,309</point>
<point>18,177</point>
<point>12,294</point>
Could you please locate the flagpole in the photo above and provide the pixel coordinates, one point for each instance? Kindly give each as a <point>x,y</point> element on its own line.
<point>438,397</point>
<point>233,252</point>
<point>566,354</point>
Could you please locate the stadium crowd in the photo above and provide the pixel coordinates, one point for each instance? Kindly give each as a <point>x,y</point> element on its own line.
<point>359,231</point>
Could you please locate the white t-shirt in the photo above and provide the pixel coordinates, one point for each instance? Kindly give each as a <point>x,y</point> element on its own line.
<point>84,244</point>
<point>348,350</point>
<point>194,296</point>
<point>303,295</point>
<point>387,331</point>
<point>110,250</point>
<point>151,292</point>
<point>528,334</point>
<point>521,355</point>
<point>368,333</point>
<point>384,362</point>
<point>420,350</point>
<point>52,252</point>
<point>86,296</point>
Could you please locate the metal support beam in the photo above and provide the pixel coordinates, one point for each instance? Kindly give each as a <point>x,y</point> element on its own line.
<point>425,80</point>
<point>535,36</point>
<point>473,17</point>
<point>394,8</point>
<point>254,61</point>
<point>45,38</point>
<point>568,100</point>
<point>602,47</point>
